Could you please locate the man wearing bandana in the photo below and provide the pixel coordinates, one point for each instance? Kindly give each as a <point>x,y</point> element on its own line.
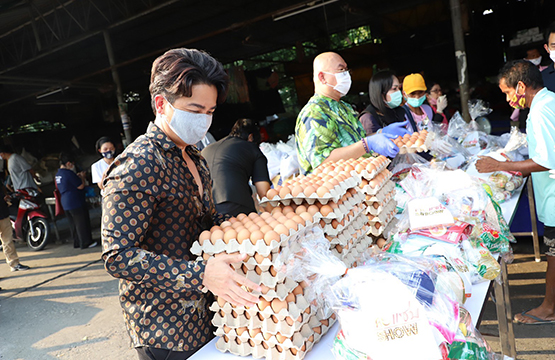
<point>522,83</point>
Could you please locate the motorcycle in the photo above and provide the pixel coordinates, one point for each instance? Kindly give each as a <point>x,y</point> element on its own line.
<point>30,223</point>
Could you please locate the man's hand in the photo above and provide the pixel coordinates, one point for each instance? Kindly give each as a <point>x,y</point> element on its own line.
<point>223,281</point>
<point>382,144</point>
<point>486,164</point>
<point>397,128</point>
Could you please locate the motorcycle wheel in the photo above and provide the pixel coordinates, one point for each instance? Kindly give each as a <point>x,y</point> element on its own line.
<point>41,229</point>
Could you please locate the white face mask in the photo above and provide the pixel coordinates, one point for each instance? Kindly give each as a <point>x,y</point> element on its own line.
<point>343,80</point>
<point>552,55</point>
<point>535,61</point>
<point>189,127</point>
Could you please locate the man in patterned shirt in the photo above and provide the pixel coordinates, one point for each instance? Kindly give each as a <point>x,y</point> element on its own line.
<point>328,128</point>
<point>157,200</point>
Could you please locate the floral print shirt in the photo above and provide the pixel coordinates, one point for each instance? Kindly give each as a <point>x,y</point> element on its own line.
<point>152,213</point>
<point>323,125</point>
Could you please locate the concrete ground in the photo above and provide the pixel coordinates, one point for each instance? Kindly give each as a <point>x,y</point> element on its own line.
<point>66,306</point>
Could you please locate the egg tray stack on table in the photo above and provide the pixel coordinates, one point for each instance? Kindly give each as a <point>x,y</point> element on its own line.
<point>330,194</point>
<point>378,191</point>
<point>283,325</point>
<point>415,142</point>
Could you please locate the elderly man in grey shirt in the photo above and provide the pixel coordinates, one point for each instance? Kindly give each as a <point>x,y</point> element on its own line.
<point>20,171</point>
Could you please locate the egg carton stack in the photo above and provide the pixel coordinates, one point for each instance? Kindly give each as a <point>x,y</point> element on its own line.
<point>378,191</point>
<point>284,324</point>
<point>330,194</point>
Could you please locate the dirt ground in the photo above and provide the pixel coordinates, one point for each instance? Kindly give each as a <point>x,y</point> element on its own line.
<point>66,306</point>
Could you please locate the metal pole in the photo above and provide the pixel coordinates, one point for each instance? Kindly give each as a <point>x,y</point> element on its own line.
<point>125,121</point>
<point>460,54</point>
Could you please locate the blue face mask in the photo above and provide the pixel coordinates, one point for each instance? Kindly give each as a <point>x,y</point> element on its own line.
<point>416,102</point>
<point>396,99</point>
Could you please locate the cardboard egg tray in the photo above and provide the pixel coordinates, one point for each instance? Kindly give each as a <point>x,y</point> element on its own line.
<point>379,168</point>
<point>292,309</point>
<point>263,350</point>
<point>381,207</point>
<point>246,247</point>
<point>342,210</point>
<point>313,328</point>
<point>354,247</point>
<point>286,328</point>
<point>404,149</point>
<point>367,189</point>
<point>357,220</point>
<point>332,195</point>
<point>383,216</point>
<point>293,347</point>
<point>387,191</point>
<point>377,227</point>
<point>345,237</point>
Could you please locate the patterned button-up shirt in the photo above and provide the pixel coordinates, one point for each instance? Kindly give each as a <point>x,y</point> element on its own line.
<point>323,125</point>
<point>151,214</point>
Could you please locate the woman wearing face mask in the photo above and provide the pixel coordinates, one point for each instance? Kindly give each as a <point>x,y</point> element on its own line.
<point>105,147</point>
<point>157,201</point>
<point>385,100</point>
<point>418,114</point>
<point>71,187</point>
<point>437,100</point>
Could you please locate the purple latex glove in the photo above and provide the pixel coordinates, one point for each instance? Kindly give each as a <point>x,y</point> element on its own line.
<point>397,129</point>
<point>382,144</point>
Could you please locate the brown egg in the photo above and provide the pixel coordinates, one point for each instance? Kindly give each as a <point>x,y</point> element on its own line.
<point>279,348</point>
<point>243,235</point>
<point>374,183</point>
<point>225,224</point>
<point>419,142</point>
<point>255,236</point>
<point>216,235</point>
<point>266,228</point>
<point>290,298</point>
<point>206,256</point>
<point>254,332</point>
<point>265,215</point>
<point>317,329</point>
<point>272,193</point>
<point>253,216</point>
<point>237,224</point>
<point>325,322</point>
<point>298,290</point>
<point>290,215</point>
<point>240,217</point>
<point>273,271</point>
<point>334,223</point>
<point>289,321</point>
<point>271,236</point>
<point>300,209</point>
<point>307,218</point>
<point>253,227</point>
<point>325,210</point>
<point>230,234</point>
<point>313,209</point>
<point>287,209</point>
<point>370,168</point>
<point>322,191</point>
<point>293,351</point>
<point>240,330</point>
<point>266,336</point>
<point>296,191</point>
<point>257,270</point>
<point>284,191</point>
<point>309,190</point>
<point>380,242</point>
<point>263,303</point>
<point>226,339</point>
<point>265,346</point>
<point>247,315</point>
<point>290,224</point>
<point>281,229</point>
<point>277,305</point>
<point>280,338</point>
<point>259,258</point>
<point>205,235</point>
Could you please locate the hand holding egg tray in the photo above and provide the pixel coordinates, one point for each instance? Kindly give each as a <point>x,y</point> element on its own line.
<point>417,142</point>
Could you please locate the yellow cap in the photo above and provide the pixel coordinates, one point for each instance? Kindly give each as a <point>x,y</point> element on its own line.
<point>413,82</point>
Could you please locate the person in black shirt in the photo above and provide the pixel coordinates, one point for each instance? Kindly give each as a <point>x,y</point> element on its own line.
<point>548,74</point>
<point>233,161</point>
<point>385,100</point>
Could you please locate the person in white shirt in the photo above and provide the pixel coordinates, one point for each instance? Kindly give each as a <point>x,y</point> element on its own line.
<point>105,146</point>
